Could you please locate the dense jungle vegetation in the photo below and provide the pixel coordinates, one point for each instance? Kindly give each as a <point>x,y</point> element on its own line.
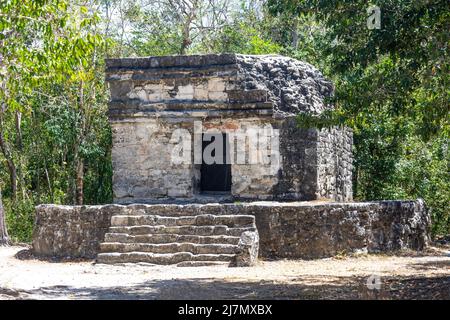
<point>391,87</point>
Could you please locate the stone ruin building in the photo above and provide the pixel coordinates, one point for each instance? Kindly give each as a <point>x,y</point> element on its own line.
<point>151,98</point>
<point>279,190</point>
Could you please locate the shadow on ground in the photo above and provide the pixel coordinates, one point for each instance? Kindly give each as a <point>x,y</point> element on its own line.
<point>432,265</point>
<point>418,286</point>
<point>301,288</point>
<point>27,254</point>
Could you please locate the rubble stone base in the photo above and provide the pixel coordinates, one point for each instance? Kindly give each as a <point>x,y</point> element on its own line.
<point>305,230</point>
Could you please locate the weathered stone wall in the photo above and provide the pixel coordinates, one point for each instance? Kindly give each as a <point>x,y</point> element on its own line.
<point>142,164</point>
<point>297,176</point>
<point>186,86</point>
<point>70,231</point>
<point>152,97</point>
<point>314,165</point>
<point>334,164</point>
<point>249,180</point>
<point>286,230</point>
<point>143,168</point>
<point>150,101</point>
<point>311,231</point>
<point>292,86</point>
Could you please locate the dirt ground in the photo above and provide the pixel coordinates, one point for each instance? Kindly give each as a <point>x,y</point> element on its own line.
<point>408,275</point>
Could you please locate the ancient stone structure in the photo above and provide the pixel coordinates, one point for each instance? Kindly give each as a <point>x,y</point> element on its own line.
<point>193,234</point>
<point>153,97</point>
<point>174,206</point>
<point>70,231</point>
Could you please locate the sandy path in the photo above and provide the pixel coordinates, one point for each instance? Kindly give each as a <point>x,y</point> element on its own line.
<point>412,276</point>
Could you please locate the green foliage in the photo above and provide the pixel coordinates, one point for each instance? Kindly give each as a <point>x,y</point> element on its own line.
<point>422,171</point>
<point>158,30</point>
<point>391,87</point>
<point>153,35</point>
<point>53,108</point>
<point>241,38</point>
<point>404,64</point>
<point>19,219</point>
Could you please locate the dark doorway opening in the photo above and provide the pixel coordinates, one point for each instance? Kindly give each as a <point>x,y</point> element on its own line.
<point>215,177</point>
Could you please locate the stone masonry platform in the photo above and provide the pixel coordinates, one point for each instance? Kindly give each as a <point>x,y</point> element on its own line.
<point>198,234</point>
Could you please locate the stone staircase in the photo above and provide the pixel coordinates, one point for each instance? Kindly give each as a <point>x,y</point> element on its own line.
<point>180,237</point>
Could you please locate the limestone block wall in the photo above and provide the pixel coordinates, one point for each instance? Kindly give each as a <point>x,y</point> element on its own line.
<point>191,84</point>
<point>310,231</point>
<point>70,231</point>
<point>297,177</point>
<point>152,97</point>
<point>313,165</point>
<point>142,164</point>
<point>251,178</point>
<point>143,167</point>
<point>334,164</point>
<point>286,229</point>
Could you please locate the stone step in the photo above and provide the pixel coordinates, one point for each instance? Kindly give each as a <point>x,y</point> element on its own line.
<point>160,258</point>
<point>169,248</point>
<point>174,210</point>
<point>203,263</point>
<point>182,230</point>
<point>160,235</point>
<point>167,238</point>
<point>199,220</point>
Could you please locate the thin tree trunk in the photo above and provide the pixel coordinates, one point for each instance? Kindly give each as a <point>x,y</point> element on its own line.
<point>294,33</point>
<point>9,162</point>
<point>186,38</point>
<point>79,161</point>
<point>18,123</point>
<point>49,183</point>
<point>19,145</point>
<point>4,239</point>
<point>6,150</point>
<point>355,181</point>
<point>79,195</point>
<point>191,15</point>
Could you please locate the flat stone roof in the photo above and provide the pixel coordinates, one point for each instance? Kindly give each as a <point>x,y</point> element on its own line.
<point>288,86</point>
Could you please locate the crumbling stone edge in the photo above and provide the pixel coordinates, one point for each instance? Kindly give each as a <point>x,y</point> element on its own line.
<point>293,230</point>
<point>248,250</point>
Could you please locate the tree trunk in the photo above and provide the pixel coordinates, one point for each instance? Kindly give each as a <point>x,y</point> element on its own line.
<point>294,33</point>
<point>9,162</point>
<point>19,162</point>
<point>49,182</point>
<point>190,15</point>
<point>18,123</point>
<point>79,162</point>
<point>186,38</point>
<point>79,181</point>
<point>4,239</point>
<point>355,182</point>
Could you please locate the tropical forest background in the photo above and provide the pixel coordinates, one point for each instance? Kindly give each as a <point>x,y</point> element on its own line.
<point>391,87</point>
